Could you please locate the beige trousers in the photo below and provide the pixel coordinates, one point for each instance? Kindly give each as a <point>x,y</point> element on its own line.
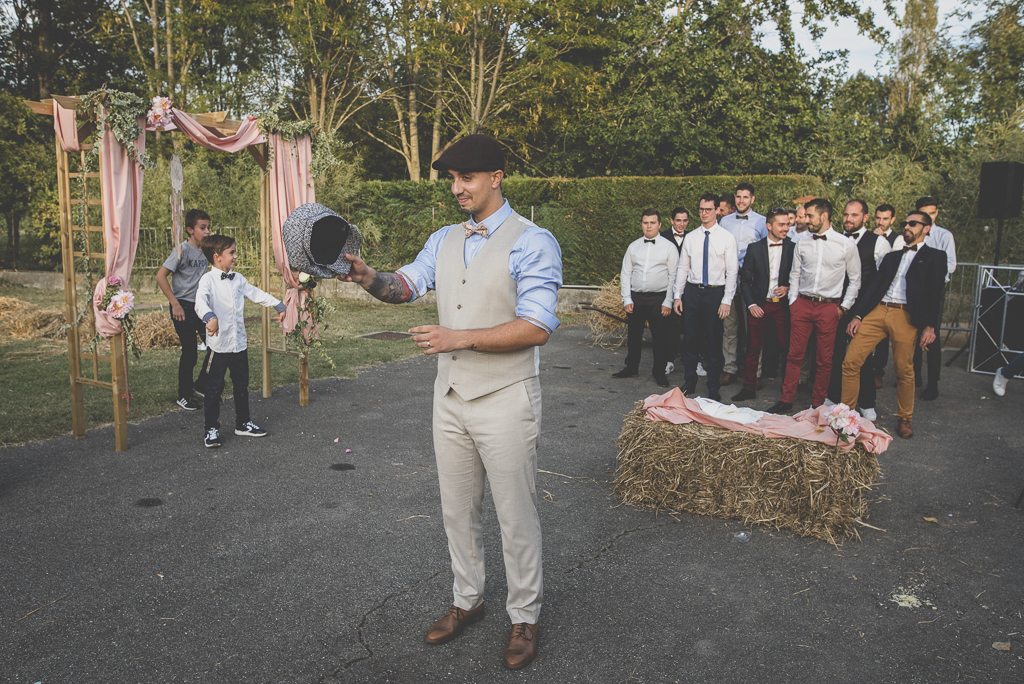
<point>494,436</point>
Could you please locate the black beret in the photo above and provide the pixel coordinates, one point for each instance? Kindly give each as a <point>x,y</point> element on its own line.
<point>473,153</point>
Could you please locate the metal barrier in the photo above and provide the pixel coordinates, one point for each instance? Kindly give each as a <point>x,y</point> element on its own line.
<point>998,290</point>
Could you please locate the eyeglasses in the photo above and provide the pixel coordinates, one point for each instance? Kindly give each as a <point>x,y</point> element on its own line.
<point>913,223</point>
<point>703,209</point>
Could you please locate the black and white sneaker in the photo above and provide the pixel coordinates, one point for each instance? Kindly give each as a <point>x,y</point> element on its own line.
<point>187,404</point>
<point>212,438</point>
<point>250,429</point>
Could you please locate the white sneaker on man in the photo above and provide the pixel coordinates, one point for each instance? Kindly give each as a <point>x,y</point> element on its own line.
<point>700,370</point>
<point>869,414</point>
<point>829,402</point>
<point>999,383</point>
<point>669,367</point>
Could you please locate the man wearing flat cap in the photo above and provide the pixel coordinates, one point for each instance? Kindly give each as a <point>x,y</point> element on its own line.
<point>497,277</point>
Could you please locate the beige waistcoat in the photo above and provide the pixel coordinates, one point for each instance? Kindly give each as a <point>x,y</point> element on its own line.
<point>480,296</point>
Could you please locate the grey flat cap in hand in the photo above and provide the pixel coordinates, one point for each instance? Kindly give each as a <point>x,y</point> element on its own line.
<point>317,240</point>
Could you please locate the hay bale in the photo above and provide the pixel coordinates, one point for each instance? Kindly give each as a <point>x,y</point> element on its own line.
<point>156,331</point>
<point>26,321</point>
<point>608,330</point>
<point>791,484</point>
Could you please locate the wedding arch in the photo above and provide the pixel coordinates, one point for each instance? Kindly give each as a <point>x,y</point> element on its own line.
<point>116,123</point>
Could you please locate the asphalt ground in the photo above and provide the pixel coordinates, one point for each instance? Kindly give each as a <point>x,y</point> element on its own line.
<point>291,559</point>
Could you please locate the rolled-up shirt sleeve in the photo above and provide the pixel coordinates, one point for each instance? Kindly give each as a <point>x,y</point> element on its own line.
<point>536,265</point>
<point>421,273</point>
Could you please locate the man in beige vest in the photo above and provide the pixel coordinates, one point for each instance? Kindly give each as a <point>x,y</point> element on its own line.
<point>497,278</point>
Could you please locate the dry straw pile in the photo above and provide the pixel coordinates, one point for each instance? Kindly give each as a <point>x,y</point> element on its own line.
<point>791,484</point>
<point>608,323</point>
<point>27,321</point>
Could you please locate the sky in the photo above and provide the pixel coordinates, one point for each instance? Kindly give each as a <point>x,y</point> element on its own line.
<point>865,54</point>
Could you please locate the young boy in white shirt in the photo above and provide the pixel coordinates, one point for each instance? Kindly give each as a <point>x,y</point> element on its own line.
<point>220,302</point>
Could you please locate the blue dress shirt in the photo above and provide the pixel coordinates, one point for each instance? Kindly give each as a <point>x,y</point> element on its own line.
<point>535,263</point>
<point>746,231</point>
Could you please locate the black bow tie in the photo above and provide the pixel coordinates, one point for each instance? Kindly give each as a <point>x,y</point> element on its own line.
<point>819,237</point>
<point>910,249</point>
<point>651,241</point>
<point>678,234</point>
<point>227,276</point>
<point>744,217</point>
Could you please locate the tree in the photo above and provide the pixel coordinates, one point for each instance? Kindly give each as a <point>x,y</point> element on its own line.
<point>27,168</point>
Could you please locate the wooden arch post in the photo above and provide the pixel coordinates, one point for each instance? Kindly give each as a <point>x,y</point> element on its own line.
<point>88,367</point>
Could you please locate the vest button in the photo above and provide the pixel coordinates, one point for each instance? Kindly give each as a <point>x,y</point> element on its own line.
<point>459,306</point>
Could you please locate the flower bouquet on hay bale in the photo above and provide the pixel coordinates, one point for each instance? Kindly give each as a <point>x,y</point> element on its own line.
<point>806,487</point>
<point>607,316</point>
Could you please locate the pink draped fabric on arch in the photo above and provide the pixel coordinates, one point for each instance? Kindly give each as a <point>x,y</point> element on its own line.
<point>122,205</point>
<point>673,407</point>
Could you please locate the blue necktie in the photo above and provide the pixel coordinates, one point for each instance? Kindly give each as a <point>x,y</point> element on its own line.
<point>707,236</point>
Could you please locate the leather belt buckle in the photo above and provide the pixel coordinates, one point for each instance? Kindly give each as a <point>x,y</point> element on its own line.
<point>773,300</point>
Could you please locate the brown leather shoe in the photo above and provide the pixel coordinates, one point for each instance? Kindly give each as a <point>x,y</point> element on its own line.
<point>452,624</point>
<point>904,428</point>
<point>726,379</point>
<point>879,382</point>
<point>522,645</point>
<point>760,385</point>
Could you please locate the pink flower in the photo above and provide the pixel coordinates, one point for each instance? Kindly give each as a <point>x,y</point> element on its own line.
<point>114,281</point>
<point>121,304</point>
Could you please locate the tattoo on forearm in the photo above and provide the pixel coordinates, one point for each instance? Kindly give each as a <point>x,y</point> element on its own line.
<point>389,287</point>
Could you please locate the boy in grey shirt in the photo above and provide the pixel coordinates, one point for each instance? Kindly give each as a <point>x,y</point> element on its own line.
<point>187,264</point>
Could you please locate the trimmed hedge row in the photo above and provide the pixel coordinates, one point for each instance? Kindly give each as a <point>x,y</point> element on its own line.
<point>593,219</point>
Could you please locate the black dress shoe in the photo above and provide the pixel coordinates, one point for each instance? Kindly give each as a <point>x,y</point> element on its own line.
<point>744,395</point>
<point>687,391</point>
<point>930,393</point>
<point>783,408</point>
<point>661,379</point>
<point>714,395</point>
<point>626,372</point>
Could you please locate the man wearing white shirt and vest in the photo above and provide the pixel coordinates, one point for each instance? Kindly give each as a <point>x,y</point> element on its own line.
<point>747,226</point>
<point>941,239</point>
<point>904,304</point>
<point>675,234</point>
<point>821,265</point>
<point>871,248</point>
<point>705,285</point>
<point>648,272</point>
<point>497,277</point>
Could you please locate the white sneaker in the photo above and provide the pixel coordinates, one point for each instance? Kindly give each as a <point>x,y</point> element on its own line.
<point>700,371</point>
<point>669,367</point>
<point>829,402</point>
<point>999,383</point>
<point>869,414</point>
<point>200,347</point>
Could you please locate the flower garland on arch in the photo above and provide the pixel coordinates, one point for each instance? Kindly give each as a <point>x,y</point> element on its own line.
<point>316,310</point>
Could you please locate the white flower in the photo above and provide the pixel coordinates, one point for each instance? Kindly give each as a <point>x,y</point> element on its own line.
<point>121,304</point>
<point>304,277</point>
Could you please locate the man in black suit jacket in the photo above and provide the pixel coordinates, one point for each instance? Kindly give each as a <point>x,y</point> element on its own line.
<point>764,286</point>
<point>904,299</point>
<point>680,220</point>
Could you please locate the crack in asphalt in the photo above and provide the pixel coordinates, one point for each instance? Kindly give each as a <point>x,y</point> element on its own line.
<point>615,539</point>
<point>367,614</point>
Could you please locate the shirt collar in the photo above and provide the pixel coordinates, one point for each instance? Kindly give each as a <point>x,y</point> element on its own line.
<point>494,221</point>
<point>216,270</point>
<point>774,242</point>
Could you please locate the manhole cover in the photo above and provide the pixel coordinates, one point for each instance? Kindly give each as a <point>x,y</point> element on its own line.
<point>388,335</point>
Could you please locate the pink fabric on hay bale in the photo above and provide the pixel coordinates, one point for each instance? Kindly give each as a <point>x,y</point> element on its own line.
<point>673,407</point>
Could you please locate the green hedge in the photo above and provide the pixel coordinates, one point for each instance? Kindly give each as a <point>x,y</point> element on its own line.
<point>593,219</point>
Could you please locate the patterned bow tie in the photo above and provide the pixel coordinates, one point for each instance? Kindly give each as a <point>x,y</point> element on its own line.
<point>678,234</point>
<point>479,229</point>
<point>910,249</point>
<point>774,244</point>
<point>227,276</point>
<point>651,241</point>
<point>744,217</point>
<point>819,237</point>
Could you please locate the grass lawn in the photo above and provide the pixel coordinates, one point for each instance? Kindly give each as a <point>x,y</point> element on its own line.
<point>35,399</point>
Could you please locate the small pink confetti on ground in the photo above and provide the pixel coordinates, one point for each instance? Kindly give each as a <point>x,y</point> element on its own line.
<point>348,451</point>
<point>336,440</point>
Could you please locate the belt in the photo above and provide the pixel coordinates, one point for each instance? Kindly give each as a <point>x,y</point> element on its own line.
<point>893,305</point>
<point>775,300</point>
<point>703,287</point>
<point>816,298</point>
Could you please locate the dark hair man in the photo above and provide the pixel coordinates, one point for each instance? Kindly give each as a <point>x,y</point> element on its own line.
<point>903,302</point>
<point>885,214</point>
<point>764,284</point>
<point>942,239</point>
<point>187,264</point>
<point>871,249</point>
<point>726,205</point>
<point>648,272</point>
<point>705,285</point>
<point>496,307</point>
<point>680,222</point>
<point>821,265</point>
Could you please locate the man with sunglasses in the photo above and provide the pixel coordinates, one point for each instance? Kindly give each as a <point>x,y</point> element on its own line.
<point>903,303</point>
<point>705,285</point>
